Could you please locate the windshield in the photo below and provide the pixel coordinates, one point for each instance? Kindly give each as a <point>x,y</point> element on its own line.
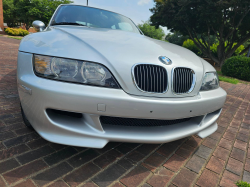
<point>92,17</point>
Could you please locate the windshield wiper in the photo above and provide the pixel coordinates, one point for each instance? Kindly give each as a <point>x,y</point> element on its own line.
<point>68,23</point>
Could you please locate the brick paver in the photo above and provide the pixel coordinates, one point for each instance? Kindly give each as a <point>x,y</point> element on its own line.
<point>28,160</point>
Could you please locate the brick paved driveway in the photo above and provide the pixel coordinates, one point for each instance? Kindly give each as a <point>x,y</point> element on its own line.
<point>27,160</point>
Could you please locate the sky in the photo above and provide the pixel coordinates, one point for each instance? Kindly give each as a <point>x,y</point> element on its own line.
<point>137,10</point>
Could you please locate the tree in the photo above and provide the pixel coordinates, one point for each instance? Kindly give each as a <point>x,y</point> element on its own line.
<point>227,20</point>
<point>176,38</point>
<point>26,11</point>
<point>151,31</point>
<point>9,13</point>
<point>189,44</point>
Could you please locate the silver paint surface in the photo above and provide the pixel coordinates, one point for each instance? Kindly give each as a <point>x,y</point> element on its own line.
<point>38,25</point>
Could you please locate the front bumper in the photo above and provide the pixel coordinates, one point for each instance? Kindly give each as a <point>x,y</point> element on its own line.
<point>94,102</point>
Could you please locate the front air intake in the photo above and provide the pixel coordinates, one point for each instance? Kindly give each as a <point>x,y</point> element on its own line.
<point>183,80</point>
<point>150,78</point>
<point>107,120</point>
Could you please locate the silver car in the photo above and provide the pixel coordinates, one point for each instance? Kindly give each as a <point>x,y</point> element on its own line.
<point>91,77</point>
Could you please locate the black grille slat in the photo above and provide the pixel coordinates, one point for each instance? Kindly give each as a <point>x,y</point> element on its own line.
<point>182,80</point>
<point>106,120</point>
<point>151,78</point>
<point>144,80</point>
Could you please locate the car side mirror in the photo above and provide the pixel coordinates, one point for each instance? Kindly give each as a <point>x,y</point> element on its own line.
<point>38,25</point>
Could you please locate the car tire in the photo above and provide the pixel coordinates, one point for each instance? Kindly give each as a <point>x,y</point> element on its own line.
<point>25,120</point>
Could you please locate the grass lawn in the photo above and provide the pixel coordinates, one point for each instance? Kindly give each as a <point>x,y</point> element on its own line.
<point>242,184</point>
<point>229,79</point>
<point>219,72</point>
<point>18,38</point>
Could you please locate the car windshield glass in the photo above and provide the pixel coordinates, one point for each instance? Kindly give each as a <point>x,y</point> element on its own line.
<point>92,17</point>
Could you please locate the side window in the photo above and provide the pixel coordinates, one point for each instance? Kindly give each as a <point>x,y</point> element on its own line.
<point>125,26</point>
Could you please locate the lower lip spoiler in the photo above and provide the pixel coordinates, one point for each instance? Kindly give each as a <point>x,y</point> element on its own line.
<point>64,131</point>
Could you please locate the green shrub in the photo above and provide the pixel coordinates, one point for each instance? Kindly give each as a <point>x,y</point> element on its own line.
<point>176,38</point>
<point>151,31</point>
<point>189,44</point>
<point>242,184</point>
<point>237,67</point>
<point>213,48</point>
<point>23,32</point>
<point>239,50</point>
<point>12,32</point>
<point>16,32</point>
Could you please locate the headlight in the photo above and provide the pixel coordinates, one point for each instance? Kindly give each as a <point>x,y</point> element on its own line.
<point>210,82</point>
<point>75,71</point>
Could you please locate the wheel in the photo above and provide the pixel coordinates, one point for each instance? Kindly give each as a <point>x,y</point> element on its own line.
<point>25,120</point>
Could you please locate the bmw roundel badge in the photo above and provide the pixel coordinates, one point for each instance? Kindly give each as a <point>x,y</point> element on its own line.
<point>165,60</point>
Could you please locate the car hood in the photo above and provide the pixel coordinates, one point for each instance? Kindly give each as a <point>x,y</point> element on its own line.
<point>118,50</point>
